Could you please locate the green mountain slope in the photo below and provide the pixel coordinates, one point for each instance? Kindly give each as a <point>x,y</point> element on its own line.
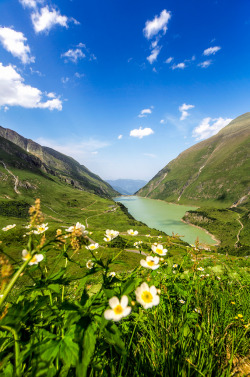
<point>214,171</point>
<point>65,168</point>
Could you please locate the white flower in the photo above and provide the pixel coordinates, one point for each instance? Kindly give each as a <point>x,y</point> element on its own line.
<point>111,234</point>
<point>107,239</point>
<point>90,264</point>
<point>200,269</point>
<point>197,310</point>
<point>28,226</point>
<point>218,278</point>
<point>118,309</point>
<point>35,259</point>
<point>78,226</point>
<point>112,274</point>
<point>175,265</point>
<point>132,232</point>
<point>148,235</point>
<point>150,262</point>
<point>92,246</point>
<point>146,296</point>
<point>158,249</point>
<point>202,276</point>
<point>8,227</point>
<point>207,275</point>
<point>41,228</point>
<point>182,301</point>
<point>159,237</point>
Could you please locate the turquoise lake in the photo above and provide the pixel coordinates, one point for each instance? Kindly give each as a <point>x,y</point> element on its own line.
<point>164,216</point>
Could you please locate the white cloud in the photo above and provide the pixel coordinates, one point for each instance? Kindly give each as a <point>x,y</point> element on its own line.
<point>163,121</point>
<point>64,80</point>
<point>79,75</point>
<point>95,152</point>
<point>120,137</point>
<point>169,60</point>
<point>15,43</point>
<point>209,127</point>
<point>158,24</point>
<point>73,55</point>
<point>145,112</point>
<point>205,64</point>
<point>180,66</point>
<point>149,155</point>
<point>13,92</point>
<point>183,109</point>
<point>153,56</point>
<point>28,3</point>
<point>211,50</point>
<point>46,19</point>
<point>141,132</point>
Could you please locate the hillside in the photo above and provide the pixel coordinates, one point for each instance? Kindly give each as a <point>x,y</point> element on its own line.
<point>57,164</point>
<point>127,186</point>
<point>214,171</point>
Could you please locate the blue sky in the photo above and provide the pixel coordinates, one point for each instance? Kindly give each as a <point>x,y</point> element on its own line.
<point>123,86</point>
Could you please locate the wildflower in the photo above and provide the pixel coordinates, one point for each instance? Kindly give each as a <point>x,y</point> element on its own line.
<point>107,239</point>
<point>232,302</point>
<point>218,278</point>
<point>182,301</point>
<point>78,228</point>
<point>148,235</point>
<point>112,274</point>
<point>111,234</point>
<point>146,296</point>
<point>132,232</point>
<point>158,291</point>
<point>175,265</point>
<point>240,315</point>
<point>159,237</point>
<point>150,262</point>
<point>92,246</point>
<point>8,227</point>
<point>90,264</point>
<point>197,310</point>
<point>28,226</point>
<point>35,259</point>
<point>202,276</point>
<point>41,228</point>
<point>118,309</point>
<point>161,259</point>
<point>158,249</point>
<point>200,269</point>
<point>207,275</point>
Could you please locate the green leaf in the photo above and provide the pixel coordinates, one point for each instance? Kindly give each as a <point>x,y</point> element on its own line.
<point>130,285</point>
<point>69,351</point>
<point>112,336</point>
<point>55,288</point>
<point>88,349</point>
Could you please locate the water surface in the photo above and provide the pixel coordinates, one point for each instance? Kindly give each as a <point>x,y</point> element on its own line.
<point>164,216</point>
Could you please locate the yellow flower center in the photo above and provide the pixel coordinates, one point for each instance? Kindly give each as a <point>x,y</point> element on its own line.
<point>147,297</point>
<point>151,263</point>
<point>159,251</point>
<point>33,259</point>
<point>92,247</point>
<point>118,309</point>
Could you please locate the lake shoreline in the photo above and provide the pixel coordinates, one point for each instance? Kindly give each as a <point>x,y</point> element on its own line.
<point>218,242</point>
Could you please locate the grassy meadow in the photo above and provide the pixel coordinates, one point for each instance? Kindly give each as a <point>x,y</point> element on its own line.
<point>71,309</point>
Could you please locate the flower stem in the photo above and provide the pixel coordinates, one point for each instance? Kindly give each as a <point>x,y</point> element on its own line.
<point>17,349</point>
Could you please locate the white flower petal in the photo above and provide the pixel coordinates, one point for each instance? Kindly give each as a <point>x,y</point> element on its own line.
<point>124,301</point>
<point>113,302</point>
<point>108,314</point>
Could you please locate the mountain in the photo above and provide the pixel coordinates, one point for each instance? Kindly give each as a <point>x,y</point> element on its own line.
<point>127,186</point>
<point>214,171</point>
<point>49,161</point>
